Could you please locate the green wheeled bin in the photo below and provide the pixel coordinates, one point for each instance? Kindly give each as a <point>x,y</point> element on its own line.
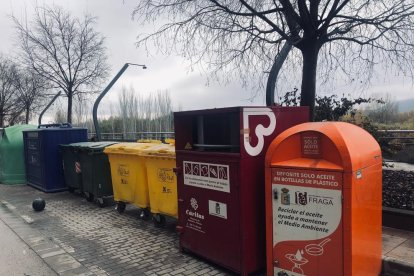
<point>95,171</point>
<point>12,168</point>
<point>72,171</point>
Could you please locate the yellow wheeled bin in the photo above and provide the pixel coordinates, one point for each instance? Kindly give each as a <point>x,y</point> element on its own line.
<point>129,176</point>
<point>162,181</point>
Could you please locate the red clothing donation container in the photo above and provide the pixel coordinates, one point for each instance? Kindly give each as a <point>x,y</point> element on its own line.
<point>323,201</point>
<point>220,160</point>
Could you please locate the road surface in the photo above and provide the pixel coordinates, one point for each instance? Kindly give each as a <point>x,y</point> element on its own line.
<point>16,258</point>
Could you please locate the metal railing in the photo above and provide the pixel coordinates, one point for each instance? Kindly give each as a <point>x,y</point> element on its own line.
<point>133,136</point>
<point>399,136</point>
<point>404,137</point>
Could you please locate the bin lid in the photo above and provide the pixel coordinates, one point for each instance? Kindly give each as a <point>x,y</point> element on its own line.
<point>88,146</point>
<point>72,145</point>
<point>127,148</point>
<point>92,146</point>
<point>170,141</point>
<point>149,141</point>
<point>13,134</point>
<point>59,129</point>
<point>161,150</point>
<point>336,146</point>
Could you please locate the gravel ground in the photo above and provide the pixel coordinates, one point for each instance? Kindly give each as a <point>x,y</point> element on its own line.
<point>398,189</point>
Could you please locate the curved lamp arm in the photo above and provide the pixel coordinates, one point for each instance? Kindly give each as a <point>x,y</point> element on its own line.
<point>103,93</point>
<point>47,107</point>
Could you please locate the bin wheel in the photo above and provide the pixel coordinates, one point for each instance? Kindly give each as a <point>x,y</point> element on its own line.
<point>89,197</point>
<point>101,202</point>
<point>159,220</point>
<point>71,189</point>
<point>144,214</point>
<point>120,207</point>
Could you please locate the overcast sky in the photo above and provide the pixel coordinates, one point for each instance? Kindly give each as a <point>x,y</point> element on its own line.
<point>188,88</point>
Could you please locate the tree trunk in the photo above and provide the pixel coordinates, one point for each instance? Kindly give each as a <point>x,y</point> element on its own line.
<point>27,115</point>
<point>69,115</point>
<point>310,62</point>
<point>274,72</point>
<point>1,121</point>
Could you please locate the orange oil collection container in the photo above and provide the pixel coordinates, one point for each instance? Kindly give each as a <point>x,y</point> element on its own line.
<point>323,201</point>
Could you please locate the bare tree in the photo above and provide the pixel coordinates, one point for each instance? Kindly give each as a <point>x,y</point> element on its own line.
<point>123,99</point>
<point>82,110</point>
<point>149,107</point>
<point>59,116</point>
<point>112,119</point>
<point>152,113</point>
<point>165,113</point>
<point>384,110</point>
<point>64,50</point>
<point>242,37</point>
<point>10,108</point>
<point>132,110</point>
<point>30,92</point>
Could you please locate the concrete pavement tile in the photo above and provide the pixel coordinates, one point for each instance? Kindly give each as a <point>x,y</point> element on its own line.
<point>390,242</point>
<point>36,240</point>
<point>396,267</point>
<point>203,272</point>
<point>96,269</point>
<point>80,271</point>
<point>107,267</point>
<point>25,233</point>
<point>409,244</point>
<point>52,252</point>
<point>165,271</point>
<point>178,271</point>
<point>27,219</point>
<point>403,252</point>
<point>124,261</point>
<point>190,271</point>
<point>45,247</point>
<point>114,271</point>
<point>62,262</point>
<point>215,272</point>
<point>397,232</point>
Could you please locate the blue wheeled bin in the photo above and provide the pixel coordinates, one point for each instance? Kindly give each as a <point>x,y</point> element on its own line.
<point>43,160</point>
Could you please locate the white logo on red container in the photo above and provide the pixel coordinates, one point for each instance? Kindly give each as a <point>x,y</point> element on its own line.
<point>194,203</point>
<point>260,131</point>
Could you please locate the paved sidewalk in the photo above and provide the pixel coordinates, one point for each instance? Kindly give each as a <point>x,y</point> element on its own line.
<point>82,239</point>
<point>398,252</point>
<point>16,258</point>
<point>76,237</point>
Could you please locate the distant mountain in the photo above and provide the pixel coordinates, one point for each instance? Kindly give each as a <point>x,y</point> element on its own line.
<point>406,105</point>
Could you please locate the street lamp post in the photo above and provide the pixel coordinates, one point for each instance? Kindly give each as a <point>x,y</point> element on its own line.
<point>103,93</point>
<point>47,107</point>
